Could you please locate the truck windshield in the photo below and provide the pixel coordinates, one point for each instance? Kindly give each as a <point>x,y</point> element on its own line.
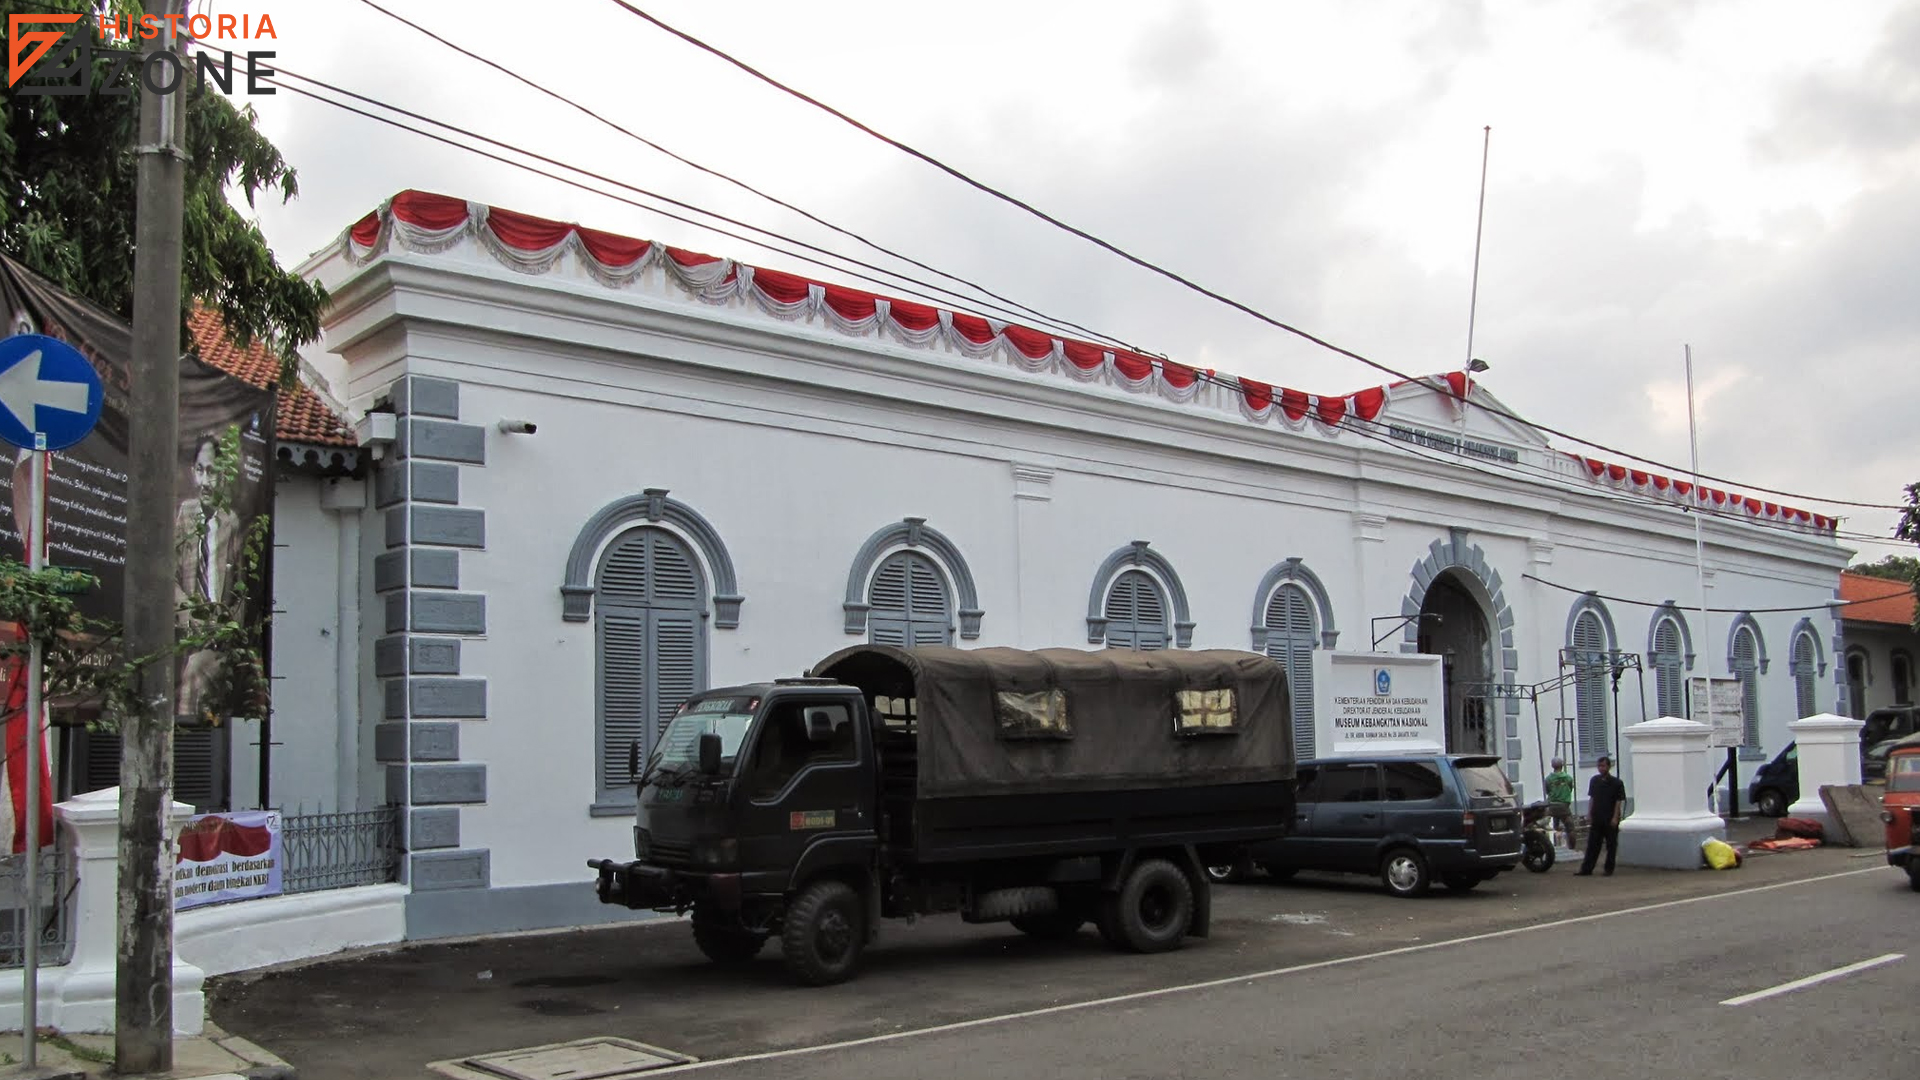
<point>679,748</point>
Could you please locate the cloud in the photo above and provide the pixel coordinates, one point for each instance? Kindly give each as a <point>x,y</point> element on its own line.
<point>1866,111</point>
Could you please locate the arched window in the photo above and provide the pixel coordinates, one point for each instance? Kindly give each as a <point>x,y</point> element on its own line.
<point>1901,668</point>
<point>1803,663</point>
<point>1857,683</point>
<point>1136,612</point>
<point>1747,660</point>
<point>1291,638</point>
<point>910,603</point>
<point>1137,601</point>
<point>1590,647</point>
<point>1668,653</point>
<point>649,625</point>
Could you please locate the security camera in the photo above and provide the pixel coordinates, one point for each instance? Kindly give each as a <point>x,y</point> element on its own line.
<point>518,427</point>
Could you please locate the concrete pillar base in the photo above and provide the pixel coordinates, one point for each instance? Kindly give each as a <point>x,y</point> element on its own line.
<point>1668,844</point>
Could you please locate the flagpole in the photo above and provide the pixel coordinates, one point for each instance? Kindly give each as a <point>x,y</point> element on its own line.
<point>1700,571</point>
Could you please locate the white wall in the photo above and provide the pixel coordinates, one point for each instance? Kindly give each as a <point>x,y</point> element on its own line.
<point>306,636</point>
<point>797,445</point>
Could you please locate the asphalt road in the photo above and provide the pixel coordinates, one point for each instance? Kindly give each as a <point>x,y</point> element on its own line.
<point>1325,976</point>
<point>1638,993</point>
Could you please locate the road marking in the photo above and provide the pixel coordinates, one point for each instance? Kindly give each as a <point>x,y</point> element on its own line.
<point>1810,980</point>
<point>1250,977</point>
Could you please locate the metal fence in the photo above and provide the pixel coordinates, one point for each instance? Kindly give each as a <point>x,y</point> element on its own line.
<point>53,920</point>
<point>337,851</point>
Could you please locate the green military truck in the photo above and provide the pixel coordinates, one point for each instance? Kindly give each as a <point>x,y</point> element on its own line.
<point>1043,788</point>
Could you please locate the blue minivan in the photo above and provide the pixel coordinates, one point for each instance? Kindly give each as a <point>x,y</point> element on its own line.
<point>1411,819</point>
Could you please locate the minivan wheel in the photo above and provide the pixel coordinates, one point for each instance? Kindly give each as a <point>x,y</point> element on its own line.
<point>1231,873</point>
<point>1404,872</point>
<point>1153,909</point>
<point>1771,803</point>
<point>824,933</point>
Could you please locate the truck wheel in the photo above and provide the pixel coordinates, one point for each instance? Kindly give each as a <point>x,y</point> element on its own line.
<point>1913,876</point>
<point>725,941</point>
<point>1404,872</point>
<point>1154,908</point>
<point>823,933</point>
<point>1051,926</point>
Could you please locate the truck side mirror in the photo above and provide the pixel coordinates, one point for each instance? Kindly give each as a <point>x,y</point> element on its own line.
<point>710,754</point>
<point>633,759</point>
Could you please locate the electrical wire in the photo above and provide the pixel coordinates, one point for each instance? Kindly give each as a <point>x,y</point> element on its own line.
<point>1714,611</point>
<point>887,282</point>
<point>1527,471</point>
<point>744,186</point>
<point>1183,281</point>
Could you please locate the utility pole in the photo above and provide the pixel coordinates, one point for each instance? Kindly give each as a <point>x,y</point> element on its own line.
<point>143,998</point>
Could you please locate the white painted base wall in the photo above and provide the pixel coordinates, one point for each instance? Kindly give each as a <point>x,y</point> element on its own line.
<point>259,933</point>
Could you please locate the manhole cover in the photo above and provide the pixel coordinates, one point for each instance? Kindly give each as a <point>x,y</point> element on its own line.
<point>584,1059</point>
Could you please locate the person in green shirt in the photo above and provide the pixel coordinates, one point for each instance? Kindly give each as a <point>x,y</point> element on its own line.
<point>1560,801</point>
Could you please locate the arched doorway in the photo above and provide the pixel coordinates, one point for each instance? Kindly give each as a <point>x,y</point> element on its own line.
<point>1454,625</point>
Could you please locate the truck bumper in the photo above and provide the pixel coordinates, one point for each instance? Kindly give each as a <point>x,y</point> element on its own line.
<point>669,888</point>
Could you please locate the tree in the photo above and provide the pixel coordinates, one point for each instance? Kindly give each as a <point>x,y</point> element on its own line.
<point>1909,530</point>
<point>67,184</point>
<point>1891,567</point>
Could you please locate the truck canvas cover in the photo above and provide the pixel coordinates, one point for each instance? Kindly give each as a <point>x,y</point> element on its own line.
<point>1003,721</point>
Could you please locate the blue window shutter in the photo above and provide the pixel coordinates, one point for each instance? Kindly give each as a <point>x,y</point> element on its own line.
<point>1136,613</point>
<point>651,643</point>
<point>1590,688</point>
<point>1746,668</point>
<point>1669,670</point>
<point>910,603</point>
<point>1290,640</point>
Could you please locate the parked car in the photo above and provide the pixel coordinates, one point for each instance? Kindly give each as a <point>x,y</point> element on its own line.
<point>1776,785</point>
<point>1411,819</point>
<point>1889,724</point>
<point>1900,807</point>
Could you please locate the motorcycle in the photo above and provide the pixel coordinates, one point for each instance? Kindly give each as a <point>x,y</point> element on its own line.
<point>1536,839</point>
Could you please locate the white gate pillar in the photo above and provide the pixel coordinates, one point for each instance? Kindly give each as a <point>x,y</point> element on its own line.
<point>78,996</point>
<point>1672,769</point>
<point>1829,752</point>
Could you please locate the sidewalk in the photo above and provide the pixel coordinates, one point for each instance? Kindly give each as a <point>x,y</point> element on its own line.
<point>214,1055</point>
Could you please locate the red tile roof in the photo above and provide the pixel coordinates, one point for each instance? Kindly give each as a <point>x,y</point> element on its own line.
<point>1885,601</point>
<point>303,417</point>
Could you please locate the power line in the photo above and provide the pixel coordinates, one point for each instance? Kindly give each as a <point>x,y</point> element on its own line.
<point>741,184</point>
<point>888,282</point>
<point>1541,474</point>
<point>1177,278</point>
<point>1715,611</point>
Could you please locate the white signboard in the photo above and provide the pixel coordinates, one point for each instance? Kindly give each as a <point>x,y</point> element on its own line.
<point>233,856</point>
<point>1720,704</point>
<point>1373,703</point>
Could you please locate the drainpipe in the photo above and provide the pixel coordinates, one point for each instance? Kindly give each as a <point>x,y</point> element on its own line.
<point>346,499</point>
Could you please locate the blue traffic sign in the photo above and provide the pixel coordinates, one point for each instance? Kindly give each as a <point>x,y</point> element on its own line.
<point>49,394</point>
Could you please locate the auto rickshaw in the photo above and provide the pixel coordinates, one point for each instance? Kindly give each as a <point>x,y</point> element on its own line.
<point>1900,807</point>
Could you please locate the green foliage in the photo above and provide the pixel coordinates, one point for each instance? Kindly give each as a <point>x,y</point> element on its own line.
<point>84,658</point>
<point>1909,530</point>
<point>1892,568</point>
<point>68,177</point>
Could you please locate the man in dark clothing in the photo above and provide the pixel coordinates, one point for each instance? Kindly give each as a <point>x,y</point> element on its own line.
<point>1606,801</point>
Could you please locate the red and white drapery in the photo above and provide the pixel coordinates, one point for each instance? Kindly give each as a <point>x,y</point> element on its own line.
<point>1684,492</point>
<point>424,222</point>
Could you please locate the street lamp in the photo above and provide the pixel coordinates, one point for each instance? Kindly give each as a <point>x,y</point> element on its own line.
<point>1476,365</point>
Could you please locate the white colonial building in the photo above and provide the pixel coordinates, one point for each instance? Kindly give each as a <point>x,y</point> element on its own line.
<point>595,475</point>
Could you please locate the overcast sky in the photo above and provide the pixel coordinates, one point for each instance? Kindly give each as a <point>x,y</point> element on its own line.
<point>1738,175</point>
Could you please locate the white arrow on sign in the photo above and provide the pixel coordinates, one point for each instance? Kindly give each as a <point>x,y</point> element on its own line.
<point>23,391</point>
